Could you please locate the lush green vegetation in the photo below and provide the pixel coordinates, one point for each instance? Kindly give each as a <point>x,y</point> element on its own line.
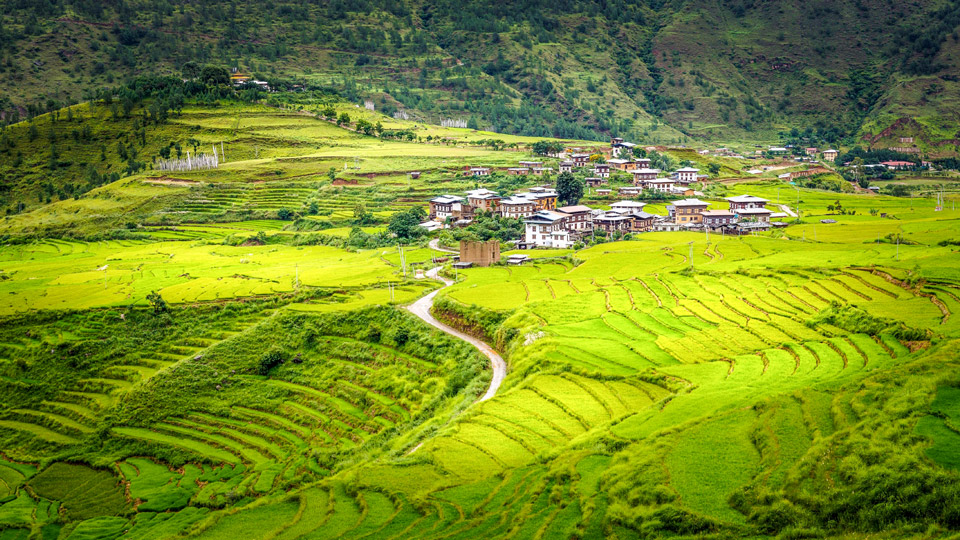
<point>662,71</point>
<point>223,353</point>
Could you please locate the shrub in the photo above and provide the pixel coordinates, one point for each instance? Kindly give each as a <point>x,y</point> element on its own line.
<point>271,359</point>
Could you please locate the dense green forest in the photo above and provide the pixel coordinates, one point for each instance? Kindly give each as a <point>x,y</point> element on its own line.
<point>660,71</point>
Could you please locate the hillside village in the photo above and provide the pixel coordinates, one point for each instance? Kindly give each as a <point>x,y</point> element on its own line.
<point>548,225</point>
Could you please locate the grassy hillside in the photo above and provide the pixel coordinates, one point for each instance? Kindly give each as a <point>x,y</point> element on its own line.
<point>661,72</point>
<point>223,353</point>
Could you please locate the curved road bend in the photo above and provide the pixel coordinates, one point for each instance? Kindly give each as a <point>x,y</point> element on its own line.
<point>421,308</point>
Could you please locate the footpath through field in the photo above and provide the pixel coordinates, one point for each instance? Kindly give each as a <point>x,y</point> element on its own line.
<point>786,209</point>
<point>421,308</point>
<point>435,245</point>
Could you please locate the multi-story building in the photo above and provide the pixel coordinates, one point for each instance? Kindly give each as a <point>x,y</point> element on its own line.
<point>484,199</point>
<point>746,201</point>
<point>687,211</point>
<point>644,175</point>
<point>687,174</point>
<point>579,218</point>
<point>442,207</point>
<point>713,219</point>
<point>546,229</point>
<point>518,207</point>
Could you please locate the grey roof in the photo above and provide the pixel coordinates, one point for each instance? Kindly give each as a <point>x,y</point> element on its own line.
<point>690,202</point>
<point>747,198</point>
<point>446,199</point>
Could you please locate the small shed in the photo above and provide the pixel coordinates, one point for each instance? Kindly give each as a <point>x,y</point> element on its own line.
<point>517,259</point>
<point>415,175</point>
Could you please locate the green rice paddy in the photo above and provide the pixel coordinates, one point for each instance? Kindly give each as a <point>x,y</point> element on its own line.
<point>675,384</point>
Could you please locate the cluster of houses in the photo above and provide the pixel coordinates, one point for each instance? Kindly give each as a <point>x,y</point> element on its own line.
<point>546,225</point>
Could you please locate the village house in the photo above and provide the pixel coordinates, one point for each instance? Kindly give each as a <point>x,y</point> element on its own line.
<point>897,165</point>
<point>812,151</point>
<point>687,174</point>
<point>602,170</point>
<point>478,171</point>
<point>484,199</point>
<point>666,226</point>
<point>546,197</point>
<point>714,219</point>
<point>642,163</point>
<point>612,223</point>
<point>640,221</point>
<point>529,164</point>
<point>754,214</point>
<point>620,164</point>
<point>594,182</point>
<point>442,207</point>
<point>566,166</point>
<point>579,218</point>
<point>663,185</point>
<point>629,191</point>
<point>546,229</point>
<point>518,207</point>
<point>830,155</point>
<point>746,201</point>
<point>618,146</point>
<point>642,175</point>
<point>580,160</point>
<point>518,170</point>
<point>604,192</point>
<point>687,211</point>
<point>540,171</point>
<point>624,207</point>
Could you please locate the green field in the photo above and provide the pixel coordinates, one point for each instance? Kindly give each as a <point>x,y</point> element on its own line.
<point>179,358</point>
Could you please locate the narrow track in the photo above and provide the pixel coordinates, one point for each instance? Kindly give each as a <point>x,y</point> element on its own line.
<point>421,308</point>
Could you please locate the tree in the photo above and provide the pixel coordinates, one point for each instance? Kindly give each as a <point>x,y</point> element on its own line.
<point>714,169</point>
<point>343,119</point>
<point>273,358</point>
<point>284,214</point>
<point>546,148</point>
<point>214,75</point>
<point>157,302</point>
<point>405,225</point>
<point>365,126</point>
<point>569,188</point>
<point>190,70</point>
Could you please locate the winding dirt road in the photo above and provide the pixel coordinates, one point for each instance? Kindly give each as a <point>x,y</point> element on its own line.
<point>421,308</point>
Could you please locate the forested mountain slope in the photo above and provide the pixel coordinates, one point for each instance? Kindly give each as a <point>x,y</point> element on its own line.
<point>653,70</point>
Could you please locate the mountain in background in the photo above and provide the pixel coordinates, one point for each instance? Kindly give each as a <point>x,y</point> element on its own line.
<point>874,73</point>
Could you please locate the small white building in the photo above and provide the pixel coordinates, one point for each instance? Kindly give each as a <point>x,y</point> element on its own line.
<point>687,174</point>
<point>479,171</point>
<point>566,166</point>
<point>442,207</point>
<point>663,185</point>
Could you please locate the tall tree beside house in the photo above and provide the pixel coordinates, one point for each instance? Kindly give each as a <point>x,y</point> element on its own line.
<point>569,188</point>
<point>405,225</point>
